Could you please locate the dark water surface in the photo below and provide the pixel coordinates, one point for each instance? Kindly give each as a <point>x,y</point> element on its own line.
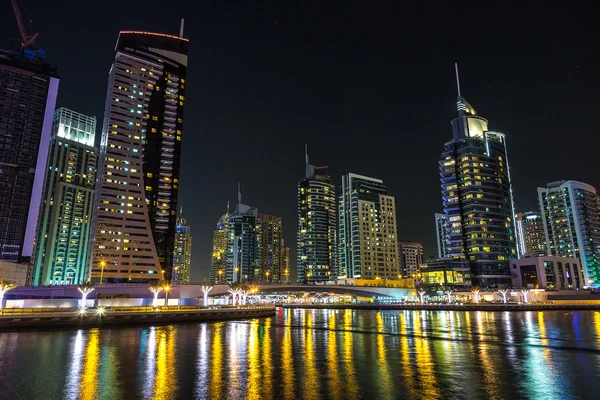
<point>315,354</point>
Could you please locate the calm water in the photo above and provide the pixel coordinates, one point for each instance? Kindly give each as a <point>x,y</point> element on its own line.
<point>313,354</point>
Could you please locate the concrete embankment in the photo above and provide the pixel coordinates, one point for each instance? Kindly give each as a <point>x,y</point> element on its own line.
<point>93,318</point>
<point>451,307</point>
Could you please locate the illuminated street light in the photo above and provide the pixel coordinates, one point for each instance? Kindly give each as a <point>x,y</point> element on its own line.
<point>220,275</point>
<point>167,290</point>
<point>100,311</point>
<point>102,265</point>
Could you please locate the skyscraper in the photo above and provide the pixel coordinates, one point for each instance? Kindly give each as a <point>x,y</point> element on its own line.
<point>530,233</point>
<point>477,198</point>
<point>218,259</point>
<point>140,156</point>
<point>571,214</point>
<point>271,249</point>
<point>368,246</point>
<point>317,226</point>
<point>28,89</point>
<point>440,234</point>
<point>243,252</point>
<point>62,250</point>
<point>411,257</point>
<point>182,257</point>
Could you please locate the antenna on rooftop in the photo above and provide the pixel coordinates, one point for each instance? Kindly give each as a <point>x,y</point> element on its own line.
<point>457,79</point>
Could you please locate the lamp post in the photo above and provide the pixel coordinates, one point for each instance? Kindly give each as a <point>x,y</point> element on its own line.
<point>287,277</point>
<point>267,276</point>
<point>236,269</point>
<point>220,275</point>
<point>102,265</point>
<point>167,290</point>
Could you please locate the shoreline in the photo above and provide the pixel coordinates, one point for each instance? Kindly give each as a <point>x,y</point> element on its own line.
<point>450,307</point>
<point>116,318</point>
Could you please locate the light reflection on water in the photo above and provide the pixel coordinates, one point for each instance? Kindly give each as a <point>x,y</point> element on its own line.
<point>314,354</point>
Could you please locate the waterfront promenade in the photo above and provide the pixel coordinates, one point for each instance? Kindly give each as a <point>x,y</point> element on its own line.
<point>547,306</point>
<point>57,317</point>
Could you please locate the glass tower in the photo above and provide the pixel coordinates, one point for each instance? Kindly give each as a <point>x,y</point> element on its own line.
<point>218,260</point>
<point>317,227</point>
<point>272,250</point>
<point>140,149</point>
<point>182,257</point>
<point>530,233</point>
<point>243,246</point>
<point>62,250</point>
<point>28,89</point>
<point>571,215</point>
<point>477,198</point>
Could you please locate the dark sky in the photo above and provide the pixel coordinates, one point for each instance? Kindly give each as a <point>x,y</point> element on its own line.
<point>370,88</point>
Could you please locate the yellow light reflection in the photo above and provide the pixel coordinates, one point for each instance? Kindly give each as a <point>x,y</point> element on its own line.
<point>267,362</point>
<point>489,371</point>
<point>351,379</point>
<point>254,376</point>
<point>385,383</point>
<point>335,383</point>
<point>407,372</point>
<point>424,360</point>
<point>311,380</point>
<point>89,379</point>
<point>165,383</point>
<point>216,364</point>
<point>287,362</point>
<point>597,327</point>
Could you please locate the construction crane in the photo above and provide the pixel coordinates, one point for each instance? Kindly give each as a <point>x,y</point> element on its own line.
<point>26,41</point>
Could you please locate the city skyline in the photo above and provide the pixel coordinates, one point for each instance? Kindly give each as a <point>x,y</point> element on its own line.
<point>505,91</point>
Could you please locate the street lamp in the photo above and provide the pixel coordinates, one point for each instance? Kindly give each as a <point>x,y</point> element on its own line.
<point>167,290</point>
<point>287,278</point>
<point>268,276</point>
<point>220,275</point>
<point>236,269</point>
<point>102,265</point>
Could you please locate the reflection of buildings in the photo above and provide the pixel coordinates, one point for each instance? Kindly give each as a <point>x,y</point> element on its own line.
<point>243,253</point>
<point>140,157</point>
<point>218,260</point>
<point>28,89</point>
<point>411,257</point>
<point>368,247</point>
<point>547,272</point>
<point>571,214</point>
<point>477,198</point>
<point>63,245</point>
<point>530,233</point>
<point>272,250</point>
<point>317,226</point>
<point>182,256</point>
<point>446,274</point>
<point>440,234</point>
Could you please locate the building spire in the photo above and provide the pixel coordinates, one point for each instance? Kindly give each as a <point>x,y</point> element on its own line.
<point>239,193</point>
<point>227,207</point>
<point>181,29</point>
<point>180,211</point>
<point>457,78</point>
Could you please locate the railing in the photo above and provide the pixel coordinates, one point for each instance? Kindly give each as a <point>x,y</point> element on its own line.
<point>27,311</point>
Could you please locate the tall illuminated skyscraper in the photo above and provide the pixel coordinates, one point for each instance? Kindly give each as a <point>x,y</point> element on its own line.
<point>530,233</point>
<point>368,245</point>
<point>182,257</point>
<point>140,150</point>
<point>411,258</point>
<point>243,244</point>
<point>571,214</point>
<point>62,250</point>
<point>317,226</point>
<point>28,89</point>
<point>440,233</point>
<point>477,198</point>
<point>272,250</point>
<point>218,260</point>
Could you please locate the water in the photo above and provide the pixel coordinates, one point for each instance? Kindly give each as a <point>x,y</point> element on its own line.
<point>314,354</point>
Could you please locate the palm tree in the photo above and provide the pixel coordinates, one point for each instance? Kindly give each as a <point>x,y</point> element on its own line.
<point>85,288</point>
<point>5,286</point>
<point>503,291</point>
<point>524,291</point>
<point>156,286</point>
<point>205,289</point>
<point>421,294</point>
<point>475,290</point>
<point>449,294</point>
<point>235,290</point>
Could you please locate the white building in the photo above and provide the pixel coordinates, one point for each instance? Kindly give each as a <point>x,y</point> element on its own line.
<point>547,272</point>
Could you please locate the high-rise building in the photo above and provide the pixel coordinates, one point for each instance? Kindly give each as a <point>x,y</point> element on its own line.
<point>271,249</point>
<point>530,233</point>
<point>28,89</point>
<point>285,276</point>
<point>317,226</point>
<point>440,234</point>
<point>140,157</point>
<point>218,259</point>
<point>62,250</point>
<point>411,258</point>
<point>477,198</point>
<point>571,216</point>
<point>368,246</point>
<point>182,257</point>
<point>243,244</point>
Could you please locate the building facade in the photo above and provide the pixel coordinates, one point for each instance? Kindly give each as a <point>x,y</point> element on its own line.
<point>547,272</point>
<point>272,249</point>
<point>445,274</point>
<point>140,150</point>
<point>411,258</point>
<point>317,227</point>
<point>571,219</point>
<point>440,234</point>
<point>477,198</point>
<point>182,257</point>
<point>62,249</point>
<point>28,89</point>
<point>368,245</point>
<point>218,259</point>
<point>243,244</point>
<point>530,233</point>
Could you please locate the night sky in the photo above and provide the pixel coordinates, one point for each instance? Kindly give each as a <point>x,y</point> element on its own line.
<point>370,88</point>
